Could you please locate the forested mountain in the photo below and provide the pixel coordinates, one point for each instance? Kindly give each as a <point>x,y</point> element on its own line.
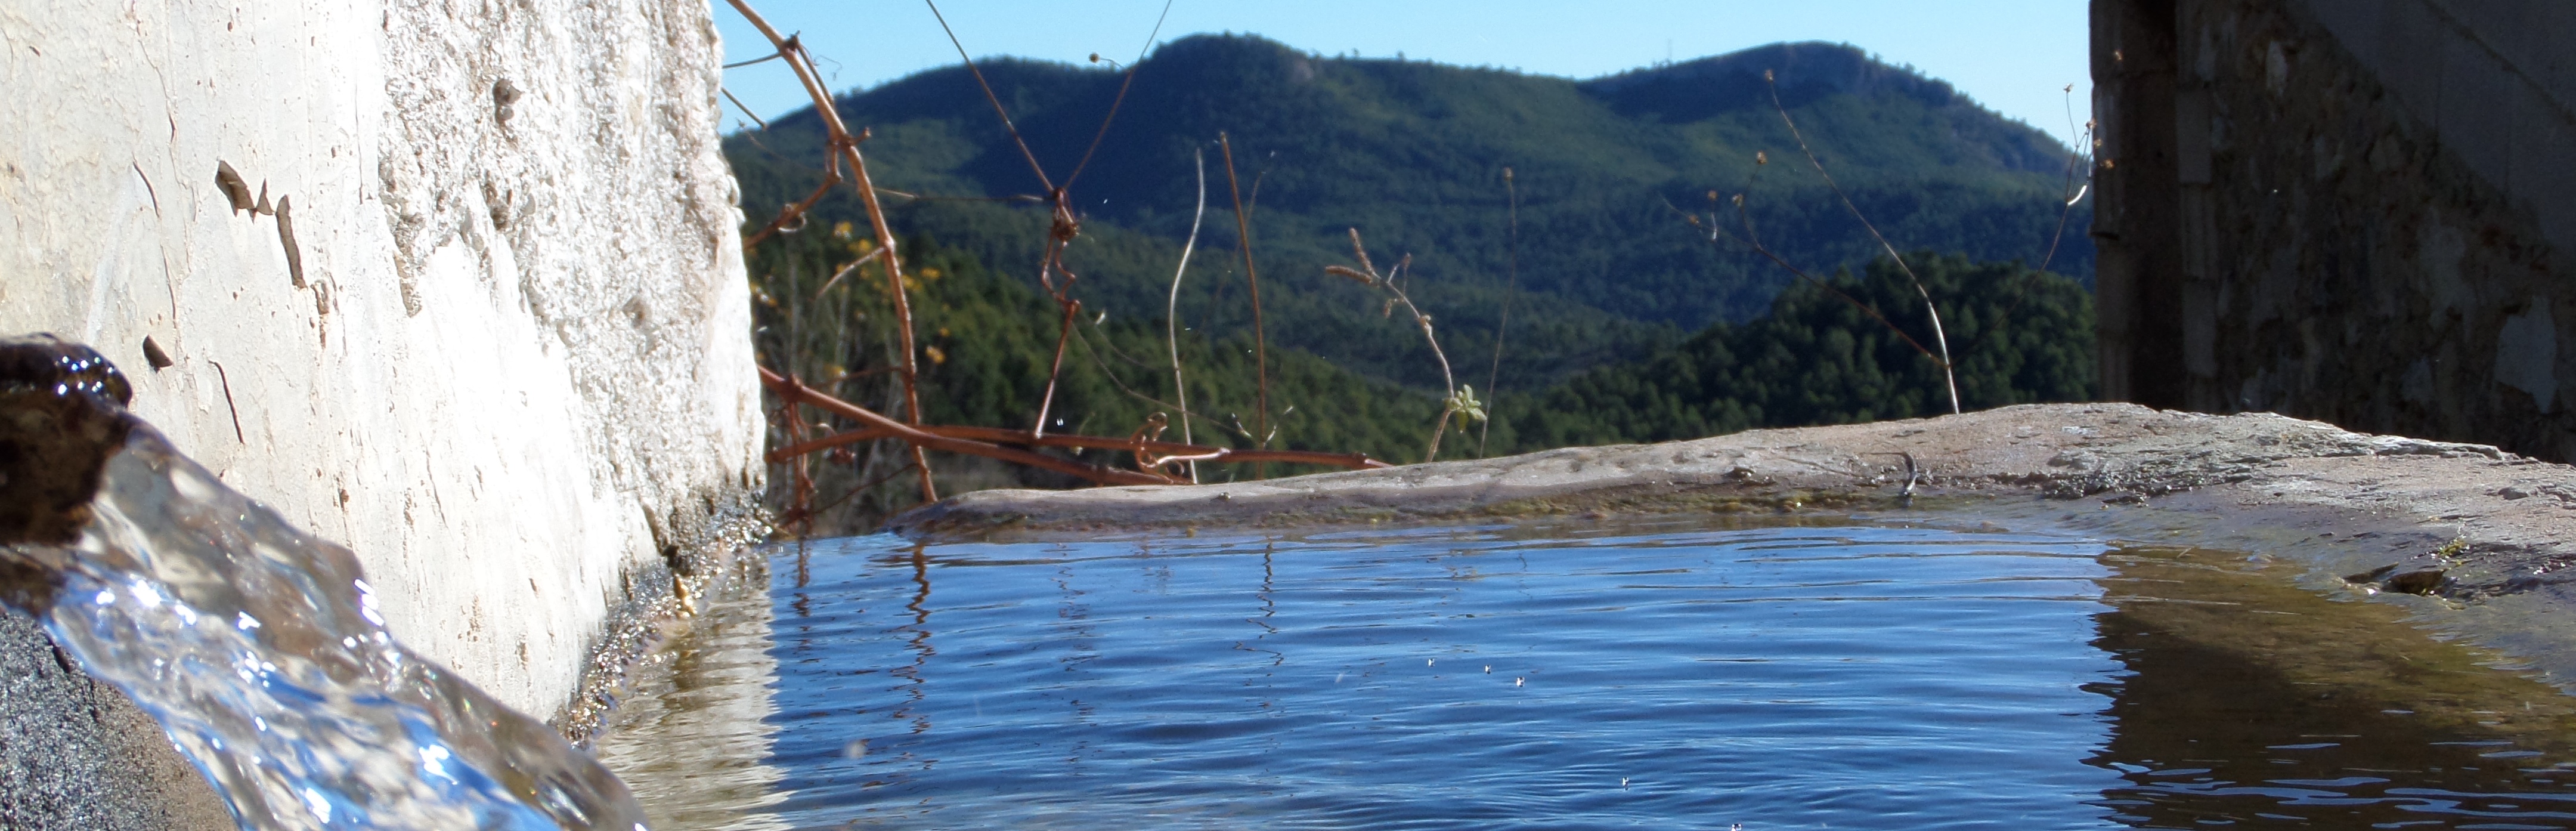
<point>1612,280</point>
<point>1412,154</point>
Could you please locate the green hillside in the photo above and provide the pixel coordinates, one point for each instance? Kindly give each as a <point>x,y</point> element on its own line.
<point>2016,336</point>
<point>1612,283</point>
<point>1412,154</point>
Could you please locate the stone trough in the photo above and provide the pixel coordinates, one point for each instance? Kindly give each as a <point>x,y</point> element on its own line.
<point>2472,539</point>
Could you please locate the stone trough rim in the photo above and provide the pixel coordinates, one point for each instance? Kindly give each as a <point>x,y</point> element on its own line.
<point>2474,541</point>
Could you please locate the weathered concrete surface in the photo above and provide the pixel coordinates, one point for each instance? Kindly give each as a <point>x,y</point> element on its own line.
<point>455,284</point>
<point>494,336</point>
<point>2499,528</point>
<point>2360,211</point>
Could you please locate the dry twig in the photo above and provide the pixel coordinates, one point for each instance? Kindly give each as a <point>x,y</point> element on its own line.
<point>1260,342</point>
<point>879,426</point>
<point>1172,307</point>
<point>846,149</point>
<point>1063,226</point>
<point>1460,401</point>
<point>1511,287</point>
<point>1949,378</point>
<point>996,436</point>
<point>2079,160</point>
<point>1753,240</point>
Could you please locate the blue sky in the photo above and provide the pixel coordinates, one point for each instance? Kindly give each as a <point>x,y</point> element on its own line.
<point>2014,57</point>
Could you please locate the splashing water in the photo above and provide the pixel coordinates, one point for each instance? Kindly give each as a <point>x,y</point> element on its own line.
<point>260,651</point>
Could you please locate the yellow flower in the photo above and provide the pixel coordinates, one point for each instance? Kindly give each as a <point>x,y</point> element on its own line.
<point>841,229</point>
<point>936,355</point>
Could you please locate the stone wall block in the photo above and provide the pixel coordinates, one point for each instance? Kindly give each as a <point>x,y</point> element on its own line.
<point>2542,160</point>
<point>2554,65</point>
<point>2527,354</point>
<point>2409,57</point>
<point>2546,163</point>
<point>2385,193</point>
<point>2480,99</point>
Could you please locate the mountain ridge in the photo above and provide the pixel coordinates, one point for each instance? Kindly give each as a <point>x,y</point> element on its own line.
<point>1411,152</point>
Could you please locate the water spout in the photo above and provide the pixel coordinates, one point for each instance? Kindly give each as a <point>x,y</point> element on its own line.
<point>258,648</point>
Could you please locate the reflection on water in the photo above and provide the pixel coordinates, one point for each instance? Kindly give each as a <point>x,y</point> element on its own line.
<point>691,735</point>
<point>1661,676</point>
<point>2250,702</point>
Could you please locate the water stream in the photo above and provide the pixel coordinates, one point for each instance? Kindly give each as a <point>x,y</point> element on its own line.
<point>259,650</point>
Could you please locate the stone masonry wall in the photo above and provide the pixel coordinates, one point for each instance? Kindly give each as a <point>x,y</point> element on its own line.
<point>2355,211</point>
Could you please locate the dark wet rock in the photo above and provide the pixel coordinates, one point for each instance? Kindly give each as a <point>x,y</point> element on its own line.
<point>2426,581</point>
<point>61,415</point>
<point>43,361</point>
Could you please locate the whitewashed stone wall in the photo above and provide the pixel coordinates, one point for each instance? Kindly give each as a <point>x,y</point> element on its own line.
<point>504,353</point>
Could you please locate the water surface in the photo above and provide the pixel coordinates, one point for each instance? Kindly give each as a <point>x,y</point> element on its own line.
<point>1659,676</point>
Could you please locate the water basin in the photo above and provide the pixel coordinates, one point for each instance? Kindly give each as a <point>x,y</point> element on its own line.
<point>1669,674</point>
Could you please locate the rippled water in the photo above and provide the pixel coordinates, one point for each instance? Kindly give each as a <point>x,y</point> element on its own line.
<point>1655,676</point>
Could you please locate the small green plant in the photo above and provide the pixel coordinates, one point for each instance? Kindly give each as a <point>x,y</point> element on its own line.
<point>1458,402</point>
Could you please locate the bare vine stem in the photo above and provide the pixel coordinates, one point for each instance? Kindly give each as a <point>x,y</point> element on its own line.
<point>1062,224</point>
<point>1753,239</point>
<point>1172,309</point>
<point>1511,287</point>
<point>1260,347</point>
<point>846,149</point>
<point>2080,159</point>
<point>1367,274</point>
<point>1948,377</point>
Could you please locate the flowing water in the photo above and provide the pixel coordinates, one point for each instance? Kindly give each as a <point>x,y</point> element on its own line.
<point>1672,675</point>
<point>260,652</point>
